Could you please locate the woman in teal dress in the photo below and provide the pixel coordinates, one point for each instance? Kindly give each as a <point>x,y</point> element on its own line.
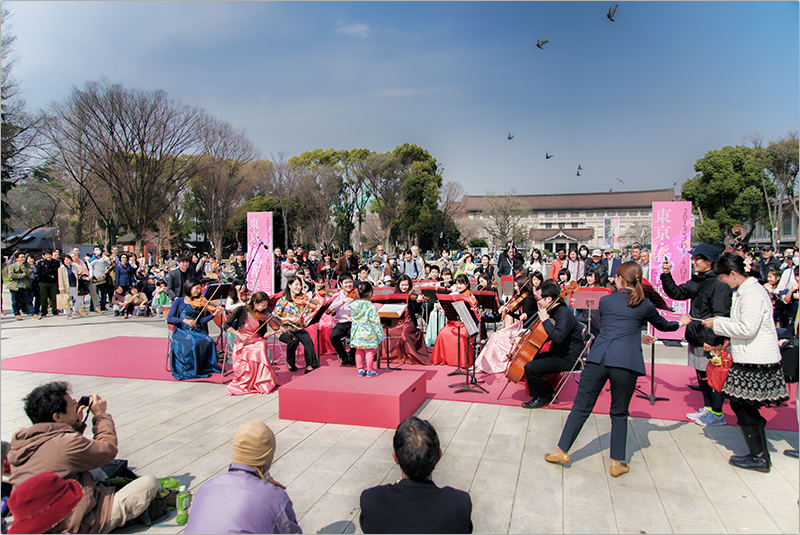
<point>192,352</point>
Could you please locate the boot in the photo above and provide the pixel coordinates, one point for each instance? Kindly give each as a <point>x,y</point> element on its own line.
<point>758,458</point>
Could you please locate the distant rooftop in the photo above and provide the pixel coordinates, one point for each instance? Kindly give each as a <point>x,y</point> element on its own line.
<point>585,201</point>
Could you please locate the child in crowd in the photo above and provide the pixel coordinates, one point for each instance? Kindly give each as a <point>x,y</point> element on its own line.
<point>118,300</point>
<point>160,299</point>
<point>366,331</point>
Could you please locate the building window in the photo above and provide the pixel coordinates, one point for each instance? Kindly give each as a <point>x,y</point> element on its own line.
<point>574,214</point>
<point>534,215</point>
<point>562,214</point>
<point>548,215</point>
<point>576,225</point>
<point>633,212</point>
<point>589,214</point>
<point>561,225</point>
<point>548,225</point>
<point>787,227</point>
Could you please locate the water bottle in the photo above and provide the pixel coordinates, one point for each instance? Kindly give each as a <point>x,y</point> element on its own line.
<point>184,500</point>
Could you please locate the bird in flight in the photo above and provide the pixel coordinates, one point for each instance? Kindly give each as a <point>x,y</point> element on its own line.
<point>580,168</point>
<point>540,43</point>
<point>609,189</point>
<point>611,12</point>
<point>510,136</point>
<point>578,174</point>
<point>547,155</point>
<point>618,180</point>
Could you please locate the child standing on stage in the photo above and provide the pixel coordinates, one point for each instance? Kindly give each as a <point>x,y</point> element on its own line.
<point>366,331</point>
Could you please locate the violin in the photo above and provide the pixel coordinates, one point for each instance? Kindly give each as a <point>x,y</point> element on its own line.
<point>514,303</point>
<point>203,303</point>
<point>306,301</point>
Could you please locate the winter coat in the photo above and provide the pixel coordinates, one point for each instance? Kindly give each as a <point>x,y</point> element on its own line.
<point>710,298</point>
<point>59,448</point>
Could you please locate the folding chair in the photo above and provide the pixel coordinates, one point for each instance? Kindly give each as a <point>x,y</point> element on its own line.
<point>224,345</point>
<point>170,329</point>
<point>580,362</point>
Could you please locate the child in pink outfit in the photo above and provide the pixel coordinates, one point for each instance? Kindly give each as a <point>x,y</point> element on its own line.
<point>365,331</point>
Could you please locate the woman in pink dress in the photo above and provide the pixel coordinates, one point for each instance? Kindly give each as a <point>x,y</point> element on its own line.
<point>252,372</point>
<point>406,340</point>
<point>446,349</point>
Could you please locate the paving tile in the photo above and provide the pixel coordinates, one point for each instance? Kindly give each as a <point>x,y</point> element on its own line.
<point>496,477</point>
<point>331,510</point>
<point>490,513</point>
<point>306,489</point>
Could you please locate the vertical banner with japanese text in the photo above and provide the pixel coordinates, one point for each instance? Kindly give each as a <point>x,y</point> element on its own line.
<point>260,261</point>
<point>672,241</point>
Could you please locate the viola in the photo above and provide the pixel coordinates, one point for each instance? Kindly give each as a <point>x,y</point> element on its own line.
<point>529,345</point>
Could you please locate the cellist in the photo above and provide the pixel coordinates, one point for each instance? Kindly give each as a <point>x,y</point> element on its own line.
<point>565,333</point>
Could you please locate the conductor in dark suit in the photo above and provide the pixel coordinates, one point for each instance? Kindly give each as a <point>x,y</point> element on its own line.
<point>565,333</point>
<point>178,276</point>
<point>414,504</point>
<point>616,356</point>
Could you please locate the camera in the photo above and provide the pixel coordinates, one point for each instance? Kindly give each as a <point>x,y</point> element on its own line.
<point>84,401</point>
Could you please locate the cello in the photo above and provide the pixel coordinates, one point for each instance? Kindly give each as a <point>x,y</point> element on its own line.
<point>530,343</point>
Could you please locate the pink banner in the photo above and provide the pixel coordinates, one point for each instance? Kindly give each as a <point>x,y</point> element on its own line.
<point>260,262</point>
<point>672,241</point>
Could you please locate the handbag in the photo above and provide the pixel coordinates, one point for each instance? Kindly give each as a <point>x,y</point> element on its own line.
<point>790,360</point>
<point>718,367</point>
<point>83,287</point>
<point>63,301</point>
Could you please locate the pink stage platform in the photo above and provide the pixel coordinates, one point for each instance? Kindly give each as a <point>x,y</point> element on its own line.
<point>337,395</point>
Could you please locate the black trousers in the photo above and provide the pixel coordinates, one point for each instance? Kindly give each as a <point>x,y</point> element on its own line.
<point>48,292</point>
<point>747,414</point>
<point>711,398</point>
<point>544,363</point>
<point>292,341</point>
<point>593,379</point>
<point>339,332</point>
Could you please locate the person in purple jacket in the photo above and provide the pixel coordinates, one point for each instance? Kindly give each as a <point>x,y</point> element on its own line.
<point>245,499</point>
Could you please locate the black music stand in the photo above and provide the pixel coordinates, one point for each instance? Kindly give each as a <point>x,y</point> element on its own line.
<point>316,319</point>
<point>652,395</point>
<point>463,315</point>
<point>217,291</point>
<point>389,322</point>
<point>432,293</point>
<point>488,301</point>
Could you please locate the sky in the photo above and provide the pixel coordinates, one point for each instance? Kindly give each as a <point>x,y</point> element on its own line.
<point>634,102</point>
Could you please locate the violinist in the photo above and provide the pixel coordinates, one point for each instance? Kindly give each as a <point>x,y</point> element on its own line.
<point>522,305</point>
<point>566,335</point>
<point>445,350</point>
<point>341,310</point>
<point>192,351</point>
<point>293,313</point>
<point>320,332</point>
<point>237,295</point>
<point>252,372</point>
<point>406,341</point>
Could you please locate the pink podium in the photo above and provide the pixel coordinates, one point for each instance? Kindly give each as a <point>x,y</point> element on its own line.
<point>332,394</point>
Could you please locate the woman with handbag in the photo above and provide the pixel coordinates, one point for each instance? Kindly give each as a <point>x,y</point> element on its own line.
<point>755,378</point>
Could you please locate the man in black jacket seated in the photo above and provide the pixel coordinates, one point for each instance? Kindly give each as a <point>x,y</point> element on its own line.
<point>415,504</point>
<point>566,335</point>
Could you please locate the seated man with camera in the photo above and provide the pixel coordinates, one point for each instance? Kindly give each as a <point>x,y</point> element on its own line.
<point>55,443</point>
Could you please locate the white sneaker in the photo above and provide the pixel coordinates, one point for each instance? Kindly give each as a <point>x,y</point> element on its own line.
<point>709,419</point>
<point>698,414</point>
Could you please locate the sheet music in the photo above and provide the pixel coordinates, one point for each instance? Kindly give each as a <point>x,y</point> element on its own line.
<point>391,310</point>
<point>466,317</point>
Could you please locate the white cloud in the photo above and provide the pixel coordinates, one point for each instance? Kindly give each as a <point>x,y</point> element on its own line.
<point>359,29</point>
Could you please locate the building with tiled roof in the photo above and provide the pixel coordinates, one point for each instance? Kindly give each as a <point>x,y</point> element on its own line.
<point>575,219</point>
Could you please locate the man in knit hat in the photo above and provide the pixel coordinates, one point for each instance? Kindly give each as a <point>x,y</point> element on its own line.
<point>245,499</point>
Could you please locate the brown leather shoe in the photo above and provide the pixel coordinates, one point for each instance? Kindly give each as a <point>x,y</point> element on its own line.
<point>557,456</point>
<point>618,468</point>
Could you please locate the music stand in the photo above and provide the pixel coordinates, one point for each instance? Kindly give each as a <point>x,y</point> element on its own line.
<point>388,322</point>
<point>588,299</point>
<point>217,291</point>
<point>487,301</point>
<point>652,294</point>
<point>456,309</point>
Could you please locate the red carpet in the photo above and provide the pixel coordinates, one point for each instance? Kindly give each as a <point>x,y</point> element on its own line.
<point>144,358</point>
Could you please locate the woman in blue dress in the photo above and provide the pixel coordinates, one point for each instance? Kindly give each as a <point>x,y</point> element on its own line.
<point>192,352</point>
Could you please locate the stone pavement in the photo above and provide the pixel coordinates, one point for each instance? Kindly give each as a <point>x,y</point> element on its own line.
<point>680,480</point>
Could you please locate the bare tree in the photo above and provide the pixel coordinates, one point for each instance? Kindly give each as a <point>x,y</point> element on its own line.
<point>503,216</point>
<point>779,161</point>
<point>281,180</point>
<point>451,205</point>
<point>384,175</point>
<point>137,143</point>
<point>223,180</point>
<point>20,130</point>
<point>316,190</point>
<point>38,202</point>
<point>640,232</point>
